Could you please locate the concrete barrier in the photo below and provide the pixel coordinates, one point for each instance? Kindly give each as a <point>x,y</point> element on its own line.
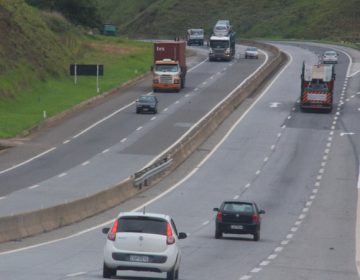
<point>23,225</point>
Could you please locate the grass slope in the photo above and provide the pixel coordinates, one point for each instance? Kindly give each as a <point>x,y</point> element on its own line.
<point>321,19</point>
<point>34,60</point>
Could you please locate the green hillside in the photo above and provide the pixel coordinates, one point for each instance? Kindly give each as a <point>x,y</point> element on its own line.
<point>308,19</point>
<point>36,50</point>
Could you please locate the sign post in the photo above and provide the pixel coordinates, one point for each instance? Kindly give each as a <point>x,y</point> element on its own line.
<point>87,70</point>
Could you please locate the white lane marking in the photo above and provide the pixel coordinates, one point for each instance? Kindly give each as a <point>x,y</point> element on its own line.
<point>247,186</point>
<point>272,147</point>
<point>205,223</point>
<point>289,117</point>
<point>273,256</point>
<point>245,277</point>
<point>85,163</point>
<point>319,177</point>
<point>305,210</point>
<point>34,187</point>
<point>123,140</point>
<point>62,175</point>
<point>315,190</point>
<point>165,109</point>
<point>75,274</point>
<point>27,161</point>
<point>289,236</point>
<point>258,172</point>
<point>321,170</point>
<point>266,159</point>
<point>297,223</point>
<point>346,133</point>
<point>302,216</point>
<point>279,135</point>
<point>66,141</point>
<point>236,196</point>
<point>2,197</point>
<point>294,229</point>
<point>105,151</point>
<point>274,104</point>
<point>139,128</point>
<point>256,270</point>
<point>191,173</point>
<point>264,263</point>
<point>153,118</point>
<point>278,249</point>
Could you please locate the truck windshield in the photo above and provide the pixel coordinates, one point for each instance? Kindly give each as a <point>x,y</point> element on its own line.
<point>219,44</point>
<point>317,85</point>
<point>166,68</point>
<point>196,32</point>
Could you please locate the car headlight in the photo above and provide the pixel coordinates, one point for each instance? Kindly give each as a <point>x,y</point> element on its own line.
<point>227,51</point>
<point>211,51</point>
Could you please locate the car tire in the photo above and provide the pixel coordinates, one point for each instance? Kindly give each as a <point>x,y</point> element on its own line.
<point>171,274</point>
<point>137,111</point>
<point>108,272</point>
<point>218,234</point>
<point>257,235</point>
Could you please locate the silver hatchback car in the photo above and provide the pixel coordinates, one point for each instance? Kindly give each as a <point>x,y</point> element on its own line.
<point>330,57</point>
<point>142,242</point>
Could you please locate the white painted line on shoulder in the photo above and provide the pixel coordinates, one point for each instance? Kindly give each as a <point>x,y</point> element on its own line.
<point>123,140</point>
<point>165,109</point>
<point>256,270</point>
<point>139,128</point>
<point>27,161</point>
<point>105,151</point>
<point>34,187</point>
<point>236,196</point>
<point>66,141</point>
<point>75,274</point>
<point>264,263</point>
<point>154,118</point>
<point>62,175</point>
<point>85,163</point>
<point>273,256</point>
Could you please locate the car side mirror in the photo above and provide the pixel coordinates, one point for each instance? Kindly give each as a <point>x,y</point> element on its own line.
<point>105,230</point>
<point>262,212</point>
<point>216,209</point>
<point>182,235</point>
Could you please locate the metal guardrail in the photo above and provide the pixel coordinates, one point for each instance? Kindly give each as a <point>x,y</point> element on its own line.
<point>143,177</point>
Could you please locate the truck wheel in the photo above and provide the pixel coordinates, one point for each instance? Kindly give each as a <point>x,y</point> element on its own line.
<point>218,234</point>
<point>108,272</point>
<point>182,83</point>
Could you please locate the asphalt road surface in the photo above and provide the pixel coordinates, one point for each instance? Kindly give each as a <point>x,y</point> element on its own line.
<point>302,168</point>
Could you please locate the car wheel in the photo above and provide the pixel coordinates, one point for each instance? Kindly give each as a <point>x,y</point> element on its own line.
<point>137,111</point>
<point>218,234</point>
<point>108,272</point>
<point>171,274</point>
<point>257,236</point>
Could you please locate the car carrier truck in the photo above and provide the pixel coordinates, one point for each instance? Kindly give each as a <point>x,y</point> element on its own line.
<point>169,69</point>
<point>317,86</point>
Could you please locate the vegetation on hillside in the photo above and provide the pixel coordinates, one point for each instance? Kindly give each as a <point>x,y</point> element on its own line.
<point>304,19</point>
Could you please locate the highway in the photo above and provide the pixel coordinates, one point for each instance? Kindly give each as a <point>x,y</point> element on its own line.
<point>302,168</point>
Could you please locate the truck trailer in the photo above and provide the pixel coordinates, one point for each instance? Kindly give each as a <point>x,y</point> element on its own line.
<point>222,47</point>
<point>317,86</point>
<point>169,69</point>
<point>195,36</point>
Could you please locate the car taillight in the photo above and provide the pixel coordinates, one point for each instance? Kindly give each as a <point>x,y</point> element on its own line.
<point>255,218</point>
<point>219,216</point>
<point>170,239</point>
<point>112,233</point>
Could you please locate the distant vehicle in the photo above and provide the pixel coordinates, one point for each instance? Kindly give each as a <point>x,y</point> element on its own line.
<point>222,28</point>
<point>142,242</point>
<point>317,85</point>
<point>330,57</point>
<point>251,52</point>
<point>146,103</point>
<point>195,37</point>
<point>169,69</point>
<point>222,47</point>
<point>238,217</point>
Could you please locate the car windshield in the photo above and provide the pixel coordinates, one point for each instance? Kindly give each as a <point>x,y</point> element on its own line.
<point>221,27</point>
<point>330,53</point>
<point>238,207</point>
<point>142,224</point>
<point>196,32</point>
<point>146,99</point>
<point>252,49</point>
<point>166,68</point>
<point>219,44</point>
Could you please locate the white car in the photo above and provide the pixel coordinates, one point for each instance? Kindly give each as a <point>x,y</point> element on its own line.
<point>251,52</point>
<point>330,57</point>
<point>142,242</point>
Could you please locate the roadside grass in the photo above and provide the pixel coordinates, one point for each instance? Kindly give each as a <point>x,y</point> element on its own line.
<point>122,59</point>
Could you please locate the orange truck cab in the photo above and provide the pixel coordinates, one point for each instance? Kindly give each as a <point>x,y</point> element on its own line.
<point>169,69</point>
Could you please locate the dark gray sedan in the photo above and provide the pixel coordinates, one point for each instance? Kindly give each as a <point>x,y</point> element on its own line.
<point>146,103</point>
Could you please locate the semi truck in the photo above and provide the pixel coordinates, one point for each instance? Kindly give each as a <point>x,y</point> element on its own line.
<point>195,36</point>
<point>169,69</point>
<point>317,86</point>
<point>222,47</point>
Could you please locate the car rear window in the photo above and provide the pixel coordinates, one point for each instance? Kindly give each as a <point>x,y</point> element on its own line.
<point>142,224</point>
<point>238,207</point>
